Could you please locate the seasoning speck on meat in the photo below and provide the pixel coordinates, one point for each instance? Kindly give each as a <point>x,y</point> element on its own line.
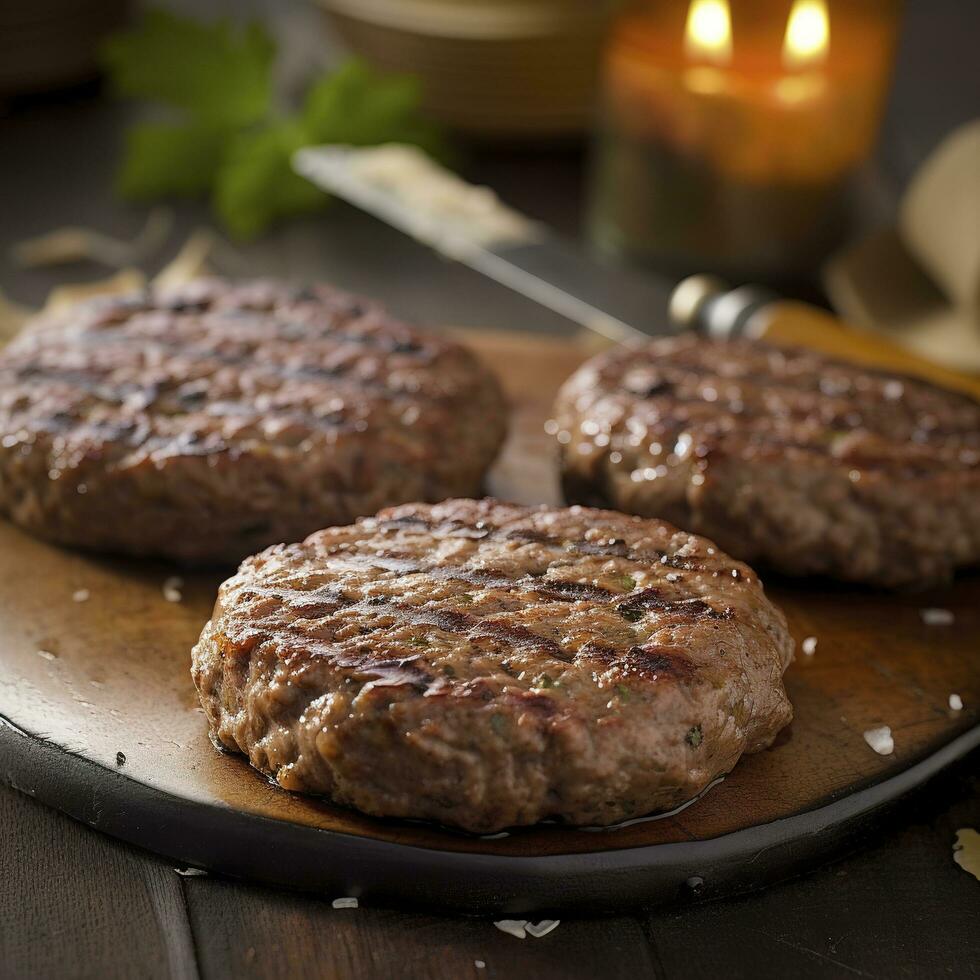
<point>470,663</point>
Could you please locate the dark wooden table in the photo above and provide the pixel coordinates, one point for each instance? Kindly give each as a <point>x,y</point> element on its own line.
<point>78,904</point>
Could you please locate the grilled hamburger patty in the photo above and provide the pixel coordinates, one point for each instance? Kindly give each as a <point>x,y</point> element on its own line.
<point>785,457</point>
<point>204,423</point>
<point>486,665</point>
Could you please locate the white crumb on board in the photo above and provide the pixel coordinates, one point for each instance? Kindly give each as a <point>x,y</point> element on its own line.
<point>937,617</point>
<point>172,589</point>
<point>880,739</point>
<point>955,702</point>
<point>809,645</point>
<point>81,595</point>
<point>479,964</point>
<point>47,655</point>
<point>345,903</point>
<point>190,872</point>
<point>521,928</point>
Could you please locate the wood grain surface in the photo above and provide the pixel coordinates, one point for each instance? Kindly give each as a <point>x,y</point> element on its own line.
<point>110,675</point>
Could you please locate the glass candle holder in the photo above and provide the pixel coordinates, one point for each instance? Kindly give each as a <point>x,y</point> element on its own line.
<point>730,131</point>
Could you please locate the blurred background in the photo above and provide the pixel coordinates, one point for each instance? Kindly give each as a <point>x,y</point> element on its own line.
<point>770,141</point>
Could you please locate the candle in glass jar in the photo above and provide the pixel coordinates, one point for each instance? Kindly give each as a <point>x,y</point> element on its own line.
<point>730,129</point>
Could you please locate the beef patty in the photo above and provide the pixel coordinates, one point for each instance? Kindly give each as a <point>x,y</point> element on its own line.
<point>809,465</point>
<point>205,423</point>
<point>486,665</point>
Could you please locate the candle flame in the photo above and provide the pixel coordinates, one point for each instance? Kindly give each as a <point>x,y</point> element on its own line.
<point>807,34</point>
<point>708,35</point>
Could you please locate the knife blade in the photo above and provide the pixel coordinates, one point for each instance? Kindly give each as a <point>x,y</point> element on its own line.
<point>405,188</point>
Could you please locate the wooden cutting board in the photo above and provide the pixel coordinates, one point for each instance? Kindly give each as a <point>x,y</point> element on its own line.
<point>102,721</point>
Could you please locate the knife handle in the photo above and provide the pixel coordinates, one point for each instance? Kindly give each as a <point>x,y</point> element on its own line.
<point>706,304</point>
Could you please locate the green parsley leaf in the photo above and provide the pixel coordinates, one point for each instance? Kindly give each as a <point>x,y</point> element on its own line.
<point>360,107</point>
<point>164,159</point>
<point>216,71</point>
<point>694,737</point>
<point>629,583</point>
<point>256,186</point>
<point>227,138</point>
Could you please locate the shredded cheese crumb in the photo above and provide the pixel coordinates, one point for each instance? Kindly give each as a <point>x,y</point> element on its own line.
<point>809,646</point>
<point>937,617</point>
<point>479,964</point>
<point>542,928</point>
<point>172,587</point>
<point>81,595</point>
<point>345,903</point>
<point>955,702</point>
<point>880,739</point>
<point>966,851</point>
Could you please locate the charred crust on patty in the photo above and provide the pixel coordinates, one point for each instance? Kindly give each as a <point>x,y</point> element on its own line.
<point>408,667</point>
<point>203,423</point>
<point>787,458</point>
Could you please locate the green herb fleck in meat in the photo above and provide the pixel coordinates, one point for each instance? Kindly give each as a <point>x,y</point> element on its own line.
<point>694,737</point>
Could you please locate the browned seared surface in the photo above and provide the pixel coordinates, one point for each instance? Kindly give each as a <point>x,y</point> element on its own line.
<point>204,423</point>
<point>487,665</point>
<point>809,465</point>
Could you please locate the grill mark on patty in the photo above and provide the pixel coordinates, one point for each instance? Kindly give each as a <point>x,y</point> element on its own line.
<point>614,547</point>
<point>760,443</point>
<point>648,659</point>
<point>652,600</point>
<point>746,435</point>
<point>344,337</point>
<point>270,326</point>
<point>90,380</point>
<point>557,589</point>
<point>151,398</point>
<point>805,385</point>
<point>515,635</point>
<point>807,380</point>
<point>654,660</point>
<point>331,600</point>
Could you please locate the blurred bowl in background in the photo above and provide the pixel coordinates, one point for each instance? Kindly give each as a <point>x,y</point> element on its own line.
<point>490,68</point>
<point>52,44</point>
